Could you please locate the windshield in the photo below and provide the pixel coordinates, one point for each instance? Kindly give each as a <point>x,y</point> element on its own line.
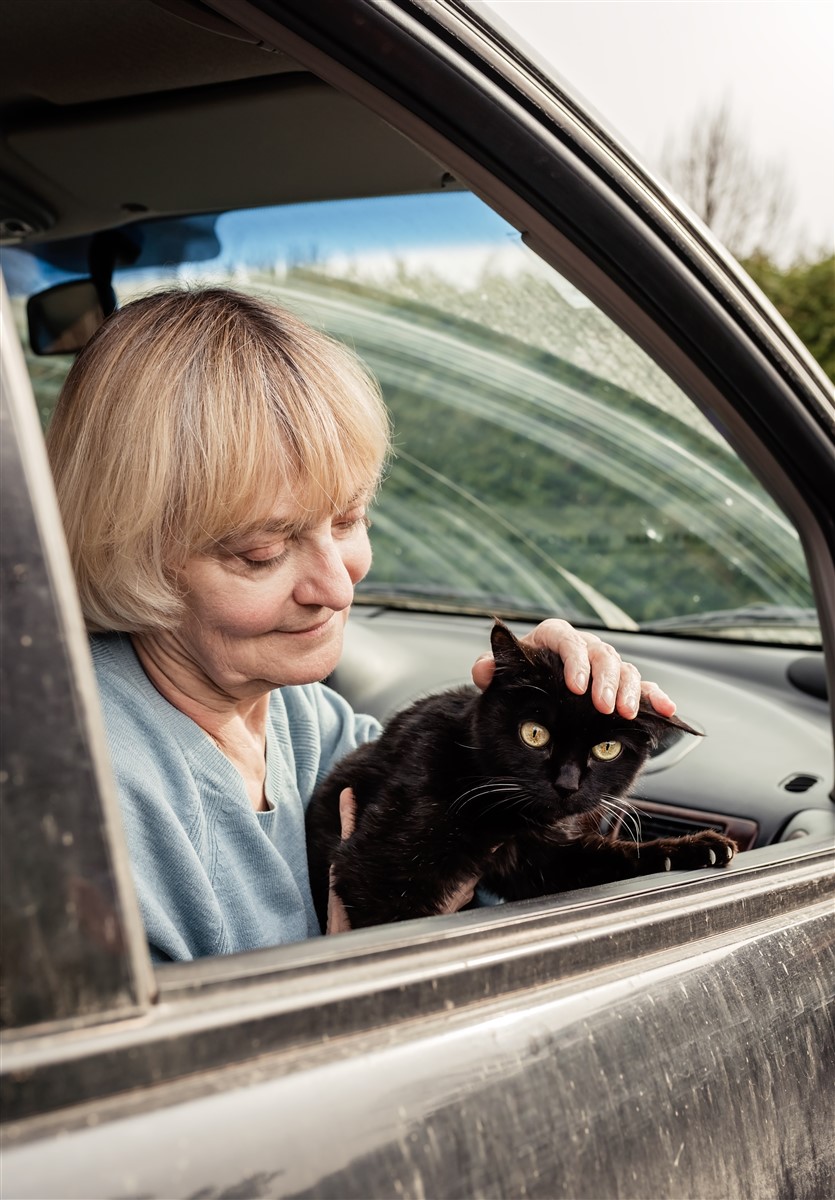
<point>543,463</point>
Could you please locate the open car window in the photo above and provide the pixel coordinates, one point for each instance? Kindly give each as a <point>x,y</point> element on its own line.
<point>543,462</point>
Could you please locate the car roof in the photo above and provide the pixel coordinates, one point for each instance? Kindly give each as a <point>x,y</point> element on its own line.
<point>114,109</point>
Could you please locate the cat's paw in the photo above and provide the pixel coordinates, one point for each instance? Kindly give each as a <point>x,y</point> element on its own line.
<point>706,849</point>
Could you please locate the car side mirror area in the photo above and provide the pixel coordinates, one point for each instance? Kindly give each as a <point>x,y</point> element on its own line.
<point>63,318</point>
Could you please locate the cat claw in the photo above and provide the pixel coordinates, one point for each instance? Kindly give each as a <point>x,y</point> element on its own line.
<point>711,857</point>
<point>668,865</point>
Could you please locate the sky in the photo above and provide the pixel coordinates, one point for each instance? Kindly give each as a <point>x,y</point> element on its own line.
<point>650,67</point>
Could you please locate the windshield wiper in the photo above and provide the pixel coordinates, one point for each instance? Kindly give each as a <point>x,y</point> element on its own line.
<point>422,597</point>
<point>753,617</point>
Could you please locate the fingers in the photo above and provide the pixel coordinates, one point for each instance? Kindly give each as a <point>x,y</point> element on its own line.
<point>658,698</point>
<point>337,916</point>
<point>615,685</point>
<point>347,812</point>
<point>586,657</point>
<point>483,668</point>
<point>462,896</point>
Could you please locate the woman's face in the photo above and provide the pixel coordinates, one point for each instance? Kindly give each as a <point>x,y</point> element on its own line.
<point>268,608</point>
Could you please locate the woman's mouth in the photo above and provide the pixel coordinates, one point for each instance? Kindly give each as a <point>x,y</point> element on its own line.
<point>318,627</point>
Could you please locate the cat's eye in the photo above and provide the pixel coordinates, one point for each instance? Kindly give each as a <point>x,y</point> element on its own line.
<point>534,734</point>
<point>606,751</point>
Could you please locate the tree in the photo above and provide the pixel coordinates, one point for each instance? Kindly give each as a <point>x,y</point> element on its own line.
<point>805,295</point>
<point>746,203</point>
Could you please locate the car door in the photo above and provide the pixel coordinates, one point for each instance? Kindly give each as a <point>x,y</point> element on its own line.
<point>669,1036</point>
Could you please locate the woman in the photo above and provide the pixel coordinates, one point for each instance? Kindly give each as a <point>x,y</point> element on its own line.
<point>214,459</point>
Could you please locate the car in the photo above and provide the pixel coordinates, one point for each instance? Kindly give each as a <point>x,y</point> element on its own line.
<point>597,416</point>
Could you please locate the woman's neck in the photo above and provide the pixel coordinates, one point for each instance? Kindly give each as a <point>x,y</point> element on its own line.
<point>236,724</point>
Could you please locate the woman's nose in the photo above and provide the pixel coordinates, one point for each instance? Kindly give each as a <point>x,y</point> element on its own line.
<point>325,581</point>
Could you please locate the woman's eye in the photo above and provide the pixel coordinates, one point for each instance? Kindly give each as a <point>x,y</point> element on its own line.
<point>533,734</point>
<point>606,751</point>
<point>261,564</point>
<point>263,559</point>
<point>351,521</point>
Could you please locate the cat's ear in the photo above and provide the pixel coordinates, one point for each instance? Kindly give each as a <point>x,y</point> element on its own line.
<point>508,651</point>
<point>648,712</point>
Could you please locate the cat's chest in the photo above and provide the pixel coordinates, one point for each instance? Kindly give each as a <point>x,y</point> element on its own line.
<point>522,850</point>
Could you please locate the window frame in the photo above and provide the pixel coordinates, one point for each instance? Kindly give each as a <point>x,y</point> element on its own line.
<point>213,1012</point>
<point>62,840</point>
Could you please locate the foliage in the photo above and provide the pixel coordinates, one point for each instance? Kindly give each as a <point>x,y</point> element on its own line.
<point>804,294</point>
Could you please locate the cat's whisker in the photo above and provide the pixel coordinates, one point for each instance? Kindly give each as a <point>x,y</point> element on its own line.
<point>616,809</point>
<point>502,791</point>
<point>636,817</point>
<point>515,802</point>
<point>471,794</point>
<point>628,814</point>
<point>486,788</point>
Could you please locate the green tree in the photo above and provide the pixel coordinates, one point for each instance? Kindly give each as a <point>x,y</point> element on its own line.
<point>804,294</point>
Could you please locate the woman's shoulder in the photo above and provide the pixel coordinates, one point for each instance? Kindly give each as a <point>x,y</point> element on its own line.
<point>316,727</point>
<point>141,726</point>
<point>115,661</point>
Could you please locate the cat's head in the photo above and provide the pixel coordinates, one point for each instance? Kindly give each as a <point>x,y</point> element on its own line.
<point>568,756</point>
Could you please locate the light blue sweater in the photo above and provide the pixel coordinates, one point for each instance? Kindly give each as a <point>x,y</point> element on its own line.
<point>212,875</point>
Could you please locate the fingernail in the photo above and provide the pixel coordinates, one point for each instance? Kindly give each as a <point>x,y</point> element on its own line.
<point>581,681</point>
<point>608,697</point>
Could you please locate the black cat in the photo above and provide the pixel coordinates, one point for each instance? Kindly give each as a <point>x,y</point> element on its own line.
<point>509,784</point>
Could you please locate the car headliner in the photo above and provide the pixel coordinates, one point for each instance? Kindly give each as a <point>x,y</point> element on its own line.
<point>116,108</point>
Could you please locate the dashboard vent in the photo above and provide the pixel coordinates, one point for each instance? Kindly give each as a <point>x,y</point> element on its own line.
<point>668,820</point>
<point>799,783</point>
<point>660,825</point>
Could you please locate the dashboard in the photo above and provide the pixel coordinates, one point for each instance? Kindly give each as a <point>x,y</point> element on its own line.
<point>763,771</point>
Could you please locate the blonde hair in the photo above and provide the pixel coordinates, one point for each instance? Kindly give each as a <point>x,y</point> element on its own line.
<point>180,424</point>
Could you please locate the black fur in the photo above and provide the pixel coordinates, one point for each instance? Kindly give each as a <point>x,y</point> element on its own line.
<point>450,791</point>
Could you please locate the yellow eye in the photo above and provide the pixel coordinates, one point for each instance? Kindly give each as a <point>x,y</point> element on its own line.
<point>534,734</point>
<point>606,751</point>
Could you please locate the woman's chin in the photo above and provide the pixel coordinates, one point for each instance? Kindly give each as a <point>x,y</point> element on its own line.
<point>304,657</point>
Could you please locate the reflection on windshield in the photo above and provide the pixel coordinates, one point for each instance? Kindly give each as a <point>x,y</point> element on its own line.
<point>543,463</point>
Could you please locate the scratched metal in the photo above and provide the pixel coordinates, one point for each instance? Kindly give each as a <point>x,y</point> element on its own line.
<point>704,1075</point>
<point>64,944</point>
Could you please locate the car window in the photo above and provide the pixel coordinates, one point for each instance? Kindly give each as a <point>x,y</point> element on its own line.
<point>543,462</point>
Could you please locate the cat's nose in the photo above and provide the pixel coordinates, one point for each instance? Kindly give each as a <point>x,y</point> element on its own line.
<point>568,779</point>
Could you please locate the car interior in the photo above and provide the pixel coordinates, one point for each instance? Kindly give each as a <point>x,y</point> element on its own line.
<point>543,464</point>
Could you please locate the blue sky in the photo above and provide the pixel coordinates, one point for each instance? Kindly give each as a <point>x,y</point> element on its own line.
<point>350,226</point>
<point>306,232</point>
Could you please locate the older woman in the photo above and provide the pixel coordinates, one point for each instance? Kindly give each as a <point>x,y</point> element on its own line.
<point>214,459</point>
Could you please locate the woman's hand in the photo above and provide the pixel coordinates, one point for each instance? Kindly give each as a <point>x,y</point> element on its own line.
<point>615,684</point>
<point>462,896</point>
<point>337,916</point>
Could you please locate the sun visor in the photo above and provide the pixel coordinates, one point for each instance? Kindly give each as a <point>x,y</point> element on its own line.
<point>271,142</point>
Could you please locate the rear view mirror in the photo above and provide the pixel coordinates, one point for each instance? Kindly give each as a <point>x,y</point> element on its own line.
<point>64,318</point>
